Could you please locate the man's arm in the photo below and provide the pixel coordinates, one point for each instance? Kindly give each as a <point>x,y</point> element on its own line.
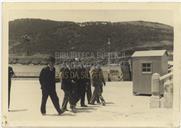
<point>102,76</point>
<point>42,77</point>
<point>12,74</point>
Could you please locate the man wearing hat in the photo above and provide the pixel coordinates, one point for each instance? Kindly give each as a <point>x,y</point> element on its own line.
<point>47,81</point>
<point>66,86</point>
<point>98,82</point>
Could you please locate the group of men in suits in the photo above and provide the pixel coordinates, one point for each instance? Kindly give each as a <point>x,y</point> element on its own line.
<point>76,81</point>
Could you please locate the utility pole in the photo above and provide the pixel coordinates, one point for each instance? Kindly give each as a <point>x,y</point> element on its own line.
<point>109,51</point>
<point>27,39</point>
<point>109,58</point>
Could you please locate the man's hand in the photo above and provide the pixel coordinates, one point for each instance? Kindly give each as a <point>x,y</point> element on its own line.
<point>104,83</point>
<point>73,81</point>
<point>14,76</point>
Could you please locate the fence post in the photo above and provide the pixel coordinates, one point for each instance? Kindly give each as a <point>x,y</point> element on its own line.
<point>155,91</point>
<point>168,94</point>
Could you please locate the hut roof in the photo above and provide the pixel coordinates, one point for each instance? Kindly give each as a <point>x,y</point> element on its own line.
<point>149,53</point>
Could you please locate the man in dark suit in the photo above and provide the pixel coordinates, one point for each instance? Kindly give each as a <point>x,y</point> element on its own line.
<point>88,84</point>
<point>47,81</point>
<point>66,86</point>
<point>82,85</point>
<point>10,75</point>
<point>74,80</point>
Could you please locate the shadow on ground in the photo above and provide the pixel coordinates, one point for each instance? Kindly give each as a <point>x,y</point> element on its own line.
<point>18,110</point>
<point>109,102</point>
<point>64,114</point>
<point>87,108</point>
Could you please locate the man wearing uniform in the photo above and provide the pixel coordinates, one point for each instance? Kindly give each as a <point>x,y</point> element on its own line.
<point>66,86</point>
<point>74,80</point>
<point>82,85</point>
<point>88,84</point>
<point>98,82</point>
<point>10,75</point>
<point>47,81</point>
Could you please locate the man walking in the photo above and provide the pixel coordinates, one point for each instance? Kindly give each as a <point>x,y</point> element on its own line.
<point>47,81</point>
<point>98,82</point>
<point>10,75</point>
<point>66,86</point>
<point>88,84</point>
<point>74,81</point>
<point>82,85</point>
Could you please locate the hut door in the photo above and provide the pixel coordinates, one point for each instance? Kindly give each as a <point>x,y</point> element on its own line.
<point>146,73</point>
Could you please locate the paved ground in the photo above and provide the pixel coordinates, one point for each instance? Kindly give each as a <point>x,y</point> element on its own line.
<point>122,109</point>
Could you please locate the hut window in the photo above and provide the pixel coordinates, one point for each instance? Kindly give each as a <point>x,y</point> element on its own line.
<point>146,68</point>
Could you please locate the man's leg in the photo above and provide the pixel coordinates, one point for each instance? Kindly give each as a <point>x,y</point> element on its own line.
<point>82,101</point>
<point>95,94</point>
<point>102,100</point>
<point>9,91</point>
<point>55,100</point>
<point>77,93</point>
<point>43,101</point>
<point>100,95</point>
<point>89,93</point>
<point>71,101</point>
<point>97,99</point>
<point>65,101</point>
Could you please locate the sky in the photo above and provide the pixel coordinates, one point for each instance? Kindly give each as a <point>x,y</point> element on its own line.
<point>161,16</point>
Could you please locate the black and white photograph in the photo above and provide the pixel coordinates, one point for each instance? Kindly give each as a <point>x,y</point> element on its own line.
<point>90,65</point>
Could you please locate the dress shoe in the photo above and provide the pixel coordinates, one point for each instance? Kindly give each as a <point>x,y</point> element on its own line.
<point>43,114</point>
<point>84,105</point>
<point>61,112</point>
<point>74,110</point>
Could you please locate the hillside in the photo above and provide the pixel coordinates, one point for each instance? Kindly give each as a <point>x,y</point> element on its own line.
<point>48,36</point>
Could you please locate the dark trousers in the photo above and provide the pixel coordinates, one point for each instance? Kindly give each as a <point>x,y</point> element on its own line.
<point>79,94</point>
<point>75,93</point>
<point>88,92</point>
<point>54,98</point>
<point>68,97</point>
<point>97,98</point>
<point>82,94</point>
<point>97,94</point>
<point>9,93</point>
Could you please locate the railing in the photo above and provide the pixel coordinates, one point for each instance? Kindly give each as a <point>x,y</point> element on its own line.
<point>163,84</point>
<point>168,76</point>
